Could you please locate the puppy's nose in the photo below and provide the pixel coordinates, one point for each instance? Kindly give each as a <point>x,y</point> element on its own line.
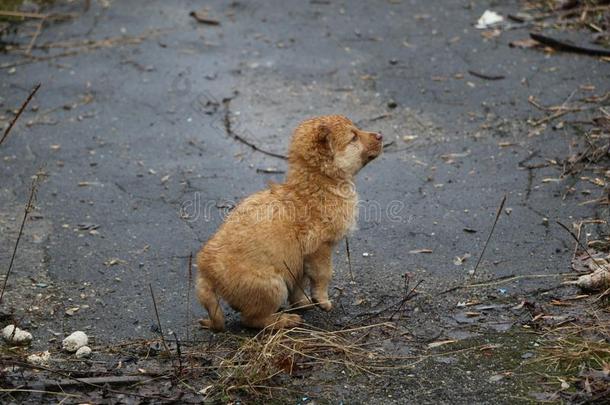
<point>378,136</point>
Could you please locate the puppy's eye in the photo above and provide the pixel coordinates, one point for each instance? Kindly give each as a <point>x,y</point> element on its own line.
<point>354,137</point>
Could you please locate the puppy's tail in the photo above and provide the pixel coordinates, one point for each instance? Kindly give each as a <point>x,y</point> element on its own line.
<point>211,301</point>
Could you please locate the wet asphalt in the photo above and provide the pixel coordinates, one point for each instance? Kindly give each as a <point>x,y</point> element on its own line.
<point>136,140</point>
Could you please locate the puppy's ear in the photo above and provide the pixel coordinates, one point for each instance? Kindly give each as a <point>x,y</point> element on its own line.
<point>323,137</point>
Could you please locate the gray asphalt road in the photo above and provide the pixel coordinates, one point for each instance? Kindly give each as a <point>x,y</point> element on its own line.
<point>135,136</point>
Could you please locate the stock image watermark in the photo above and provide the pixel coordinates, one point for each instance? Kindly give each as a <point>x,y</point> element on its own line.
<point>199,209</point>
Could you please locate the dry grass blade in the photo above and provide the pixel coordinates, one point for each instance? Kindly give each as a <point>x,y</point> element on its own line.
<point>28,208</point>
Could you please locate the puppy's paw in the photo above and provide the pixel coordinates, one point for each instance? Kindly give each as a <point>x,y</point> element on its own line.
<point>288,321</point>
<point>326,305</point>
<point>208,324</point>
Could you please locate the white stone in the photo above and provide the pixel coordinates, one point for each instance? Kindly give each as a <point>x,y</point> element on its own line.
<point>83,352</point>
<point>17,336</point>
<point>39,359</point>
<point>75,341</point>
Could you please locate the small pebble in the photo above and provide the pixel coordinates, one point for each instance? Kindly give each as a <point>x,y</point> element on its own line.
<point>17,336</point>
<point>75,341</point>
<point>83,352</point>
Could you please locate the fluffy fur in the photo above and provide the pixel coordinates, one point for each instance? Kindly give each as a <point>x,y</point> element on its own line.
<point>278,241</point>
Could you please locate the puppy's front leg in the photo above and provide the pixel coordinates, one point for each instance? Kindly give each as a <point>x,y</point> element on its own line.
<point>319,268</point>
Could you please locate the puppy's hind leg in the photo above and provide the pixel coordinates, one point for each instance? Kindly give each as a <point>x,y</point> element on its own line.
<point>266,298</point>
<point>211,301</point>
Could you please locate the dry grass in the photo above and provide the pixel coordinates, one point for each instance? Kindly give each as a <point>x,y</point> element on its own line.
<point>269,354</point>
<point>578,356</point>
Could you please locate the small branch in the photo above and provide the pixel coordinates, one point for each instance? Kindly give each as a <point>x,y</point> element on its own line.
<point>580,244</point>
<point>399,304</point>
<point>500,280</point>
<point>152,294</point>
<point>16,117</point>
<point>566,47</point>
<point>486,77</point>
<point>229,130</point>
<point>28,209</point>
<point>127,379</point>
<point>493,227</point>
<point>179,351</point>
<point>28,50</point>
<point>8,13</point>
<point>349,258</point>
<point>87,381</point>
<point>188,297</point>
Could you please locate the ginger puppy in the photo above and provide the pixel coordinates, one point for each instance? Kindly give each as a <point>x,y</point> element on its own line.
<point>278,241</point>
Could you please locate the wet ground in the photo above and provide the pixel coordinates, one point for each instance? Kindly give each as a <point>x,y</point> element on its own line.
<point>136,136</point>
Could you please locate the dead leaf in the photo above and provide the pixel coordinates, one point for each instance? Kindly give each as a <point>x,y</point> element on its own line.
<point>450,157</point>
<point>525,43</point>
<point>113,262</point>
<point>458,261</point>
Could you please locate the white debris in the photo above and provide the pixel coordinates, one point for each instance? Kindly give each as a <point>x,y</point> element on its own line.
<point>597,280</point>
<point>488,19</point>
<point>17,336</point>
<point>366,254</point>
<point>38,359</point>
<point>83,352</point>
<point>75,341</point>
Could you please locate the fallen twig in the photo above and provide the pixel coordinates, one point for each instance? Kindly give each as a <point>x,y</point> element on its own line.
<point>580,244</point>
<point>566,47</point>
<point>16,117</point>
<point>28,50</point>
<point>152,294</point>
<point>86,381</point>
<point>20,14</point>
<point>126,379</point>
<point>349,258</point>
<point>270,170</point>
<point>188,297</point>
<point>398,305</point>
<point>501,280</point>
<point>202,17</point>
<point>229,130</point>
<point>493,227</point>
<point>486,77</point>
<point>28,209</point>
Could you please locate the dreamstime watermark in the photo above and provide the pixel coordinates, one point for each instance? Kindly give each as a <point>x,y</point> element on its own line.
<point>372,211</point>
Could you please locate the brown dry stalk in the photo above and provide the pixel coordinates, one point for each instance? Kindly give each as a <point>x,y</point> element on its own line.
<point>493,227</point>
<point>27,210</point>
<point>16,117</point>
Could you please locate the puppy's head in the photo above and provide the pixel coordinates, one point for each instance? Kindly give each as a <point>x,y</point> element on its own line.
<point>333,145</point>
